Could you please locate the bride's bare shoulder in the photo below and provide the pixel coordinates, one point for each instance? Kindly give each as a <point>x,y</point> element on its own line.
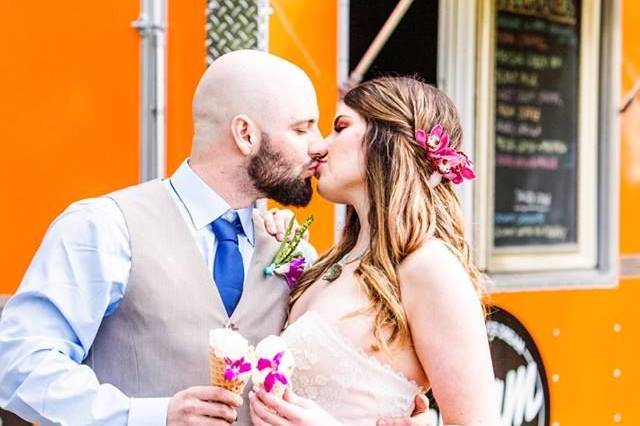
<point>433,270</point>
<point>432,256</point>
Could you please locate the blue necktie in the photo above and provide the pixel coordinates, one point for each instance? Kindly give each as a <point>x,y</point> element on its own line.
<point>228,272</point>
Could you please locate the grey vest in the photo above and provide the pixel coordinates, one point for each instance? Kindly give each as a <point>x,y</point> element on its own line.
<point>155,344</point>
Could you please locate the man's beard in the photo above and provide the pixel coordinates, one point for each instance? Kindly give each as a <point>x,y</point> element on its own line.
<point>270,173</point>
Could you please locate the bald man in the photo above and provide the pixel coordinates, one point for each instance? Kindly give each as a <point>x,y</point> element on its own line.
<point>256,129</point>
<point>110,323</point>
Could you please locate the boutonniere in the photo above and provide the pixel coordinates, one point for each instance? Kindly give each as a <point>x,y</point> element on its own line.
<point>289,262</point>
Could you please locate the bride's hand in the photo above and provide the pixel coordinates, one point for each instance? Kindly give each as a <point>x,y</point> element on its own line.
<point>420,416</point>
<point>293,410</point>
<point>276,222</point>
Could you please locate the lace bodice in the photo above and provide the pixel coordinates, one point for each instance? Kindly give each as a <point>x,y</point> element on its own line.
<point>354,387</point>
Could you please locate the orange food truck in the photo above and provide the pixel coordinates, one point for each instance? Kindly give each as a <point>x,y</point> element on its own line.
<point>97,95</point>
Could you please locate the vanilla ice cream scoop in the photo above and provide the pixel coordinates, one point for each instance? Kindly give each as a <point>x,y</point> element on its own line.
<point>274,365</point>
<point>230,360</point>
<point>227,343</point>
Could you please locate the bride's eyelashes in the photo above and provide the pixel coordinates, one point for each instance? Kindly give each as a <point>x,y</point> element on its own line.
<point>339,126</point>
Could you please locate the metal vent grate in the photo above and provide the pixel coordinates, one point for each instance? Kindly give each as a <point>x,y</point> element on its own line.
<point>236,24</point>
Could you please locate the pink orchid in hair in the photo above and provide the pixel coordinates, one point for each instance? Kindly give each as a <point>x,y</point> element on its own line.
<point>463,169</point>
<point>456,167</point>
<point>436,142</point>
<point>446,163</point>
<point>449,163</point>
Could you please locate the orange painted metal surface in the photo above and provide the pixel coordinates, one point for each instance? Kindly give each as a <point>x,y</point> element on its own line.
<point>575,332</point>
<point>590,339</point>
<point>306,34</point>
<point>68,115</point>
<point>630,133</point>
<point>186,63</point>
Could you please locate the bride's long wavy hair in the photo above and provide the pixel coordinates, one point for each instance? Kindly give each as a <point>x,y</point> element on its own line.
<point>404,210</point>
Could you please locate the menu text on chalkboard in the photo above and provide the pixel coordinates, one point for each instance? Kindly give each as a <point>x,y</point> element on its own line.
<point>536,122</point>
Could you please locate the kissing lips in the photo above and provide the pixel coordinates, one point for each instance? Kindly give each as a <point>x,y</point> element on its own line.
<point>318,167</point>
<point>311,170</point>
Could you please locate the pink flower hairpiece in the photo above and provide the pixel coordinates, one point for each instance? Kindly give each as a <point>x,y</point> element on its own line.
<point>449,163</point>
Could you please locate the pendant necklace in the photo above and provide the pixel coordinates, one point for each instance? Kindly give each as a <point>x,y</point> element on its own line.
<point>333,272</point>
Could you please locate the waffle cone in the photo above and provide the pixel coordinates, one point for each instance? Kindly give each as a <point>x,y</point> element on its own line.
<point>216,371</point>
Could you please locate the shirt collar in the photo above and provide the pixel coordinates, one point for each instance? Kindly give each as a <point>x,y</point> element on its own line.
<point>203,203</point>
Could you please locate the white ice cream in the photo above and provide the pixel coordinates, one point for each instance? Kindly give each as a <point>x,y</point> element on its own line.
<point>268,348</point>
<point>227,343</point>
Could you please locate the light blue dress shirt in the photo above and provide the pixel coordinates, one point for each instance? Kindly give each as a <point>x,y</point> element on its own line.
<point>79,276</point>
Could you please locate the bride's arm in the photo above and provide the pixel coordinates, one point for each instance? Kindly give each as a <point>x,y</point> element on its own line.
<point>294,410</point>
<point>449,336</point>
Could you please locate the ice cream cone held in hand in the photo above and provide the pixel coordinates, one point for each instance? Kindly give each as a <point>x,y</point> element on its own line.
<point>274,366</point>
<point>230,360</point>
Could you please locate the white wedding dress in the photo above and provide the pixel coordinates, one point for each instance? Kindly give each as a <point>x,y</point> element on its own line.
<point>352,386</point>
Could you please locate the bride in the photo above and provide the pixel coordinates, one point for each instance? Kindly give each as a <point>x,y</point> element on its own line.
<point>395,308</point>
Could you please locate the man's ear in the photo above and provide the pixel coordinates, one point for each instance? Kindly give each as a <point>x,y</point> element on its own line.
<point>245,133</point>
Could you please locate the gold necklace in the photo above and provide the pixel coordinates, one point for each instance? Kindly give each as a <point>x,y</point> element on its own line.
<point>333,272</point>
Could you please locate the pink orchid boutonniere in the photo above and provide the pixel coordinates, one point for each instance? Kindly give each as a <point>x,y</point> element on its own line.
<point>289,262</point>
<point>292,270</point>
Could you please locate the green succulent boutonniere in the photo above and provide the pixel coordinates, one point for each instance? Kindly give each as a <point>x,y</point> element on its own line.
<point>289,262</point>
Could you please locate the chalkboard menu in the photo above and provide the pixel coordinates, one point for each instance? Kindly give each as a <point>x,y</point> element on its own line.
<point>536,122</point>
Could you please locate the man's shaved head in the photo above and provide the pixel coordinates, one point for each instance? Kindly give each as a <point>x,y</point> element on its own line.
<point>260,85</point>
<point>255,121</point>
